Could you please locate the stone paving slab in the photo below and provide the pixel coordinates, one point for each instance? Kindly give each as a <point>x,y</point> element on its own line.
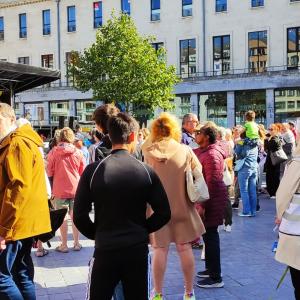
<point>248,265</point>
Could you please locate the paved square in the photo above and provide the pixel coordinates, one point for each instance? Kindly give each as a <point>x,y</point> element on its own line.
<point>248,265</point>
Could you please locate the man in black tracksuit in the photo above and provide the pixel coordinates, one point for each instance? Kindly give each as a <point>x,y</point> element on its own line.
<point>120,188</point>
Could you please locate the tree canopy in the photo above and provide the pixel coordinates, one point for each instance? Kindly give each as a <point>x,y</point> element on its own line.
<point>123,67</point>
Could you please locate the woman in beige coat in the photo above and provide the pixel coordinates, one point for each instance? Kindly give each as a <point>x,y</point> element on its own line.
<point>288,251</point>
<point>164,153</point>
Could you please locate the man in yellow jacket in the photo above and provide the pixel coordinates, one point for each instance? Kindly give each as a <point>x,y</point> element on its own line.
<point>24,211</point>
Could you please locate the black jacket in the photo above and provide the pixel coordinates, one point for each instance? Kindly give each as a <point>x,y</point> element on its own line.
<point>120,187</point>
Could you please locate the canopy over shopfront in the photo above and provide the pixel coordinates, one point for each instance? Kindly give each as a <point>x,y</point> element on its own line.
<point>16,78</point>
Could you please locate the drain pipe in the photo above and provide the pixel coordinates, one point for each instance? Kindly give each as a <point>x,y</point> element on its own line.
<point>58,37</point>
<point>204,35</point>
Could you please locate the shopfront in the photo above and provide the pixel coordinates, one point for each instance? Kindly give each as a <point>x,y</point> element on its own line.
<point>287,104</point>
<point>85,109</point>
<point>213,107</point>
<point>36,113</point>
<point>59,109</point>
<point>250,100</point>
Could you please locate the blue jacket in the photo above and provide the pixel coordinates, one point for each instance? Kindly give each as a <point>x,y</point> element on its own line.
<point>248,150</point>
<point>187,138</point>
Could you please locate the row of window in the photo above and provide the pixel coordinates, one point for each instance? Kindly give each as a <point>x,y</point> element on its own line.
<point>257,52</point>
<point>221,5</point>
<point>187,10</point>
<point>71,19</point>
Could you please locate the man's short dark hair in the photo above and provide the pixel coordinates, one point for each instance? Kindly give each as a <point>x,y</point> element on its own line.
<point>211,132</point>
<point>120,127</point>
<point>103,113</point>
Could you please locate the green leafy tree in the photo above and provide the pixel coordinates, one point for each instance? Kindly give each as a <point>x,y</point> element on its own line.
<point>123,67</point>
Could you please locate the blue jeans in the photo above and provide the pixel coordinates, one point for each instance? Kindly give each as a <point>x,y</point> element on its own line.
<point>247,181</point>
<point>17,271</point>
<point>119,294</point>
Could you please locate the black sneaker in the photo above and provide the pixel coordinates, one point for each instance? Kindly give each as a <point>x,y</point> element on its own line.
<point>258,209</point>
<point>235,206</point>
<point>203,274</point>
<point>209,283</point>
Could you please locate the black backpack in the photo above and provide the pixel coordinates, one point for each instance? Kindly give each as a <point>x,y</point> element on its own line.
<point>104,149</point>
<point>57,217</point>
<point>101,152</point>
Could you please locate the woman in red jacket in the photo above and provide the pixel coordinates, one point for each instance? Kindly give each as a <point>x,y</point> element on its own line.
<point>211,157</point>
<point>65,165</point>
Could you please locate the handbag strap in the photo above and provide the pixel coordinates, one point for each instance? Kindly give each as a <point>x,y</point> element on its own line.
<point>189,158</point>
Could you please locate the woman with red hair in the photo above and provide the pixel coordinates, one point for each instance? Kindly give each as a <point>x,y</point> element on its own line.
<point>170,159</point>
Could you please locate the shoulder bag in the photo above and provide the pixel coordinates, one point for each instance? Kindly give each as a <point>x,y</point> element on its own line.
<point>277,157</point>
<point>197,189</point>
<point>227,176</point>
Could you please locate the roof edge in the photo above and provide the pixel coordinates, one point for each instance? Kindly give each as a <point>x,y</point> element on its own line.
<point>13,3</point>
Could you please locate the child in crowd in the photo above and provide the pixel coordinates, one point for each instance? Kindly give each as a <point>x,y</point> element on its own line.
<point>251,127</point>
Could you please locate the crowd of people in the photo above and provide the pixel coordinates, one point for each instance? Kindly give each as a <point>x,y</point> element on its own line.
<point>135,181</point>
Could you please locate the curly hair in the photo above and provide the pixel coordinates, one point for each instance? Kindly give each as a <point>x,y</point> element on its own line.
<point>165,126</point>
<point>67,135</point>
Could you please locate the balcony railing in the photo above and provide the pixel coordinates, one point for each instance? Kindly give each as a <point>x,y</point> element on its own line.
<point>246,72</point>
<point>233,73</point>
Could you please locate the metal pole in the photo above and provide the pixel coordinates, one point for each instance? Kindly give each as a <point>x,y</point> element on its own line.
<point>58,36</point>
<point>204,35</point>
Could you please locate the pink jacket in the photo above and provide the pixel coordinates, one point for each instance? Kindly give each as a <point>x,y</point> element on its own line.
<point>65,164</point>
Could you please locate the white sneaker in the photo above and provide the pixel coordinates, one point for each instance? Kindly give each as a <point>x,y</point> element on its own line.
<point>227,228</point>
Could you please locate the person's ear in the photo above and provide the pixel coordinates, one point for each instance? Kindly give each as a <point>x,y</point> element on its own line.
<point>131,138</point>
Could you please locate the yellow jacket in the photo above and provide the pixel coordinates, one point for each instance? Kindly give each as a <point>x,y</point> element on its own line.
<point>24,208</point>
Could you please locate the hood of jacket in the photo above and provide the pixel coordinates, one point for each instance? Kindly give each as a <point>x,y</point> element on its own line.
<point>65,149</point>
<point>25,132</point>
<point>214,147</point>
<point>162,150</point>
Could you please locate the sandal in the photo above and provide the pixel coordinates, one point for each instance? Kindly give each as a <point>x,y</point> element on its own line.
<point>77,247</point>
<point>41,253</point>
<point>62,249</point>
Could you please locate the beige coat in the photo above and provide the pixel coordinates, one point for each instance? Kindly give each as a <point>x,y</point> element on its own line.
<point>169,160</point>
<point>288,251</point>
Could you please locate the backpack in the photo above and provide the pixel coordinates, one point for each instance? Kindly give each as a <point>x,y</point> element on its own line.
<point>104,149</point>
<point>57,217</point>
<point>101,152</point>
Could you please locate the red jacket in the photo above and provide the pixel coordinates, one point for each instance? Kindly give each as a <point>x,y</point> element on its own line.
<point>65,165</point>
<point>212,160</point>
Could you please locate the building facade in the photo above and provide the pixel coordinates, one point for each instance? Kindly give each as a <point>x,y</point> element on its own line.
<point>232,55</point>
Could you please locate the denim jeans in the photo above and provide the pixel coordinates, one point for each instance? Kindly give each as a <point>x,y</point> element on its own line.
<point>17,271</point>
<point>119,294</point>
<point>247,182</point>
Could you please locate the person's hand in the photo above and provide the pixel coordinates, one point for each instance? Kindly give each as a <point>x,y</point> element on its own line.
<point>2,243</point>
<point>277,221</point>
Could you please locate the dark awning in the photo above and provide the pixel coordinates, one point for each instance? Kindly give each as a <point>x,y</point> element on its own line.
<point>17,78</point>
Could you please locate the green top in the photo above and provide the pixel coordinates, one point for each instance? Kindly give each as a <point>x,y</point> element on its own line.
<point>251,130</point>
